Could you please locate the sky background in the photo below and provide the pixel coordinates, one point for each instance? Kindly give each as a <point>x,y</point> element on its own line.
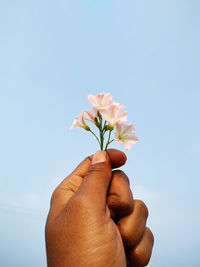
<point>52,55</point>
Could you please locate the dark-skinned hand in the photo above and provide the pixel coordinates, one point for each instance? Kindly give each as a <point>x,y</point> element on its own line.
<point>93,220</point>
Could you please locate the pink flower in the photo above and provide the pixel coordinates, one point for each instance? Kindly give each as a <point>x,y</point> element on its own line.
<point>114,114</point>
<point>125,134</point>
<point>79,122</point>
<point>119,105</point>
<point>90,115</point>
<point>101,101</point>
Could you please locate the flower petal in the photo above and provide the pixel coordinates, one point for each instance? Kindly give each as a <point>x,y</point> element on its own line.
<point>114,114</point>
<point>101,100</point>
<point>79,121</point>
<point>90,115</point>
<point>125,134</point>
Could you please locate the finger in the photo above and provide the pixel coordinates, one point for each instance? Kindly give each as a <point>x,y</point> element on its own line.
<point>95,184</point>
<point>132,227</point>
<point>141,254</point>
<point>70,185</point>
<point>117,157</point>
<point>120,197</point>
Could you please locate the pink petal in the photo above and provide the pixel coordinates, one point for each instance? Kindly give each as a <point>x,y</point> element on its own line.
<point>127,145</point>
<point>127,133</point>
<point>114,114</point>
<point>101,100</point>
<point>119,105</point>
<point>92,100</point>
<point>90,115</point>
<point>78,121</point>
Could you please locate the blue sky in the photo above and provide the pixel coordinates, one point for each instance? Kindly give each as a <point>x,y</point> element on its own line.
<point>52,55</point>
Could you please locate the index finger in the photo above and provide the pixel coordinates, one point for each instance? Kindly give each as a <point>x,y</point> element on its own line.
<point>117,157</point>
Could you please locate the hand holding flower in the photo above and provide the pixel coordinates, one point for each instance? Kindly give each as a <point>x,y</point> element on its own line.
<point>93,219</point>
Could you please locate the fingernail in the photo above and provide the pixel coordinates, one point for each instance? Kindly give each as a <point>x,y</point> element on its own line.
<point>99,156</point>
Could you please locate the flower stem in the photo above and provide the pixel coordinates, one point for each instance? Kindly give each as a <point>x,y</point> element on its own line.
<point>95,137</point>
<point>101,134</point>
<point>108,142</point>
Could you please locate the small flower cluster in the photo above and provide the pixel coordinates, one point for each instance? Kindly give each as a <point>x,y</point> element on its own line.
<point>106,115</point>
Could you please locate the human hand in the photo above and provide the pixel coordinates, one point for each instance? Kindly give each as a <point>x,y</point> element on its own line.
<point>93,219</point>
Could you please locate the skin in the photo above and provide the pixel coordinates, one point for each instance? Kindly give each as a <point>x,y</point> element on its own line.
<point>93,219</point>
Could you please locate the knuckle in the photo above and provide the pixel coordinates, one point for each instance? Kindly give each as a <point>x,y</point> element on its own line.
<point>130,238</point>
<point>142,207</point>
<point>87,159</point>
<point>142,253</point>
<point>121,206</point>
<point>150,235</point>
<point>141,256</point>
<point>72,186</point>
<point>118,172</point>
<point>121,174</point>
<point>113,201</point>
<point>126,205</point>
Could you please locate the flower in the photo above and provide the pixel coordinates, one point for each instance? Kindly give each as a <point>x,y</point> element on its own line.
<point>106,114</point>
<point>101,101</point>
<point>90,115</point>
<point>114,114</point>
<point>125,134</point>
<point>79,122</point>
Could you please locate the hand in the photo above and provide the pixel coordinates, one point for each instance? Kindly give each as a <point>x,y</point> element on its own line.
<point>93,220</point>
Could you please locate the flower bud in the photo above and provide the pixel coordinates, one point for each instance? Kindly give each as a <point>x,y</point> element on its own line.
<point>109,127</point>
<point>87,128</point>
<point>99,114</point>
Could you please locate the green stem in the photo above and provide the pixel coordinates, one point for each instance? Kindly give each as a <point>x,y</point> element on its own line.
<point>108,142</point>
<point>95,137</point>
<point>101,133</point>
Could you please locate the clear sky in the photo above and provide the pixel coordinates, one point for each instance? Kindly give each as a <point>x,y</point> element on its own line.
<point>52,55</point>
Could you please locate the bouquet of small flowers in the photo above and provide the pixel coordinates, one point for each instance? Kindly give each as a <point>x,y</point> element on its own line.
<point>107,115</point>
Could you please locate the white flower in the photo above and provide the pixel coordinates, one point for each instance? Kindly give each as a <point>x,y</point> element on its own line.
<point>101,101</point>
<point>106,114</point>
<point>114,114</point>
<point>79,122</point>
<point>125,134</point>
<point>90,115</point>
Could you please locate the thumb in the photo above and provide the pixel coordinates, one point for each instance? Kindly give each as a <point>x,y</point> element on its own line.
<point>97,179</point>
